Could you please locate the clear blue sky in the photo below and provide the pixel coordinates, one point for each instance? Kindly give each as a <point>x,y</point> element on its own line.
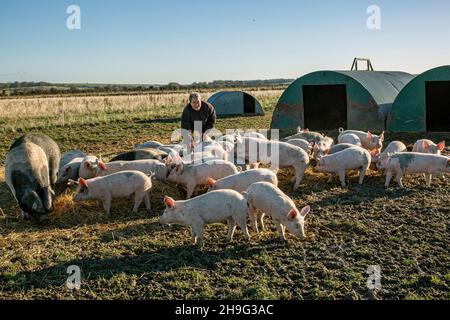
<point>137,41</point>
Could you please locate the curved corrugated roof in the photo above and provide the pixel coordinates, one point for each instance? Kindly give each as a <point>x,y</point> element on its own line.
<point>225,102</point>
<point>384,86</point>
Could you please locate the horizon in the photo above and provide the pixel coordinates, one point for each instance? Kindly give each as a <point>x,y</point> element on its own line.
<point>154,43</point>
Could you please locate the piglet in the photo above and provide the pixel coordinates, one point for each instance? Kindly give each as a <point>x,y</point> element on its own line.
<point>428,146</point>
<point>404,163</point>
<point>269,199</point>
<point>369,140</point>
<point>212,207</point>
<point>117,185</point>
<point>241,181</point>
<point>342,161</point>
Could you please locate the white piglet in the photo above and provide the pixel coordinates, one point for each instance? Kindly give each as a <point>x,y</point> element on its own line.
<point>241,181</point>
<point>213,207</point>
<point>117,185</point>
<point>345,160</point>
<point>193,176</point>
<point>269,199</point>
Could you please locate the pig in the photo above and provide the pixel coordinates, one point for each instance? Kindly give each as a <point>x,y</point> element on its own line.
<point>321,147</point>
<point>269,199</point>
<point>141,154</point>
<point>350,138</point>
<point>404,163</point>
<point>199,157</point>
<point>69,166</point>
<point>213,207</point>
<point>342,161</point>
<point>310,136</point>
<point>369,141</point>
<point>27,175</point>
<point>70,171</point>
<point>148,144</point>
<point>393,147</point>
<point>157,167</point>
<point>89,167</point>
<point>216,151</point>
<point>50,148</point>
<point>339,147</point>
<point>428,146</point>
<point>241,181</point>
<point>302,143</point>
<point>117,185</point>
<point>254,134</point>
<point>194,175</point>
<point>288,155</point>
<point>69,156</point>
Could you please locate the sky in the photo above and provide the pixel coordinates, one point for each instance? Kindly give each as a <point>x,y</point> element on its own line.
<point>185,41</point>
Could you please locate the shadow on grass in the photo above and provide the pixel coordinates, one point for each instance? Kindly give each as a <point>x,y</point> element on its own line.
<point>154,260</point>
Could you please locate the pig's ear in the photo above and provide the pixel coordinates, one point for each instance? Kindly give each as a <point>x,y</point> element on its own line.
<point>211,182</point>
<point>102,166</point>
<point>168,160</point>
<point>369,135</point>
<point>83,182</point>
<point>315,146</point>
<point>293,213</point>
<point>382,136</point>
<point>425,145</point>
<point>441,145</point>
<point>169,201</point>
<point>305,210</point>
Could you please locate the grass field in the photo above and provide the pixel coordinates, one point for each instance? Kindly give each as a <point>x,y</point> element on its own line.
<point>130,256</point>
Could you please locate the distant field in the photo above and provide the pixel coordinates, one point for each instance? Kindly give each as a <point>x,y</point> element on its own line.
<point>131,256</point>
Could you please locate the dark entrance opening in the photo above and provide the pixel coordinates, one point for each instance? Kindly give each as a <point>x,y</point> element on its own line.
<point>438,106</point>
<point>249,103</point>
<point>325,106</point>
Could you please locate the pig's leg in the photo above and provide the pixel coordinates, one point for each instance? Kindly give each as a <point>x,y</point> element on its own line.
<point>138,196</point>
<point>198,230</point>
<point>253,218</point>
<point>190,191</point>
<point>342,177</point>
<point>107,203</point>
<point>281,231</point>
<point>231,229</point>
<point>362,173</point>
<point>330,178</point>
<point>261,220</point>
<point>241,221</point>
<point>147,203</point>
<point>194,237</point>
<point>24,215</point>
<point>428,178</point>
<point>399,177</point>
<point>299,172</point>
<point>388,177</point>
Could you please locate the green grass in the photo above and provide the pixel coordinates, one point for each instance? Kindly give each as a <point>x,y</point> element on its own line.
<point>132,256</point>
